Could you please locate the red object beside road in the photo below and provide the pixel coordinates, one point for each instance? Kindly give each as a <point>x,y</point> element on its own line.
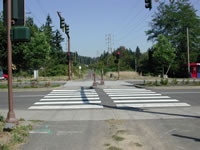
<point>5,76</point>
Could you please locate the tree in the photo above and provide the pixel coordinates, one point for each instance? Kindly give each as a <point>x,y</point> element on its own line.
<point>163,53</point>
<point>172,21</point>
<point>137,57</point>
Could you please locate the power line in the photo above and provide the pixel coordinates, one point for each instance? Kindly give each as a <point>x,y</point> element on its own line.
<point>37,19</point>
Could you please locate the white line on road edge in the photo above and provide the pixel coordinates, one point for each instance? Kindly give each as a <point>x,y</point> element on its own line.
<point>69,99</point>
<point>145,97</point>
<point>154,105</point>
<point>67,107</point>
<point>144,101</point>
<point>74,102</point>
<point>137,95</point>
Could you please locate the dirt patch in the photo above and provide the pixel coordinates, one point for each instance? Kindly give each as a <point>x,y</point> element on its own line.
<point>121,138</point>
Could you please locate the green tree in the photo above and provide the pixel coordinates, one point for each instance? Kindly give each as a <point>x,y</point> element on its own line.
<point>37,52</point>
<point>163,53</point>
<point>172,20</point>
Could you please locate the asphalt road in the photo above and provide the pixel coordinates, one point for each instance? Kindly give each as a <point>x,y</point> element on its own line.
<point>103,121</point>
<point>23,100</point>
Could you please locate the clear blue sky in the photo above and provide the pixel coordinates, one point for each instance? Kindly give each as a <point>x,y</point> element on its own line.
<point>91,20</point>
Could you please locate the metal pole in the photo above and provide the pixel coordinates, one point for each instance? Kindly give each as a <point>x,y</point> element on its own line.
<point>70,62</point>
<point>188,50</point>
<point>118,70</point>
<point>102,81</point>
<point>94,74</point>
<point>11,115</point>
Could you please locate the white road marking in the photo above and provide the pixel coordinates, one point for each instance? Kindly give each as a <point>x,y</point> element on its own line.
<point>73,96</point>
<point>136,92</point>
<point>136,95</point>
<point>154,105</point>
<point>67,107</point>
<point>69,99</point>
<point>180,92</point>
<point>74,102</point>
<point>107,90</point>
<point>145,97</point>
<point>72,90</point>
<point>144,101</point>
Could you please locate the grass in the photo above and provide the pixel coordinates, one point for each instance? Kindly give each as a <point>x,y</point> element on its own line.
<point>106,144</point>
<point>117,138</point>
<point>36,121</point>
<point>138,144</point>
<point>16,136</point>
<point>113,148</point>
<point>31,86</point>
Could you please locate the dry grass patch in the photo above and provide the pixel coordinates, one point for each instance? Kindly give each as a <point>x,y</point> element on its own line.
<point>17,136</point>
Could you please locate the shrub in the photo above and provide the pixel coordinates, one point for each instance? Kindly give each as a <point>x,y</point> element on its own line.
<point>174,81</point>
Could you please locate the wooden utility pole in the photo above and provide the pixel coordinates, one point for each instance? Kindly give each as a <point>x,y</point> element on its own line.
<point>11,115</point>
<point>188,50</point>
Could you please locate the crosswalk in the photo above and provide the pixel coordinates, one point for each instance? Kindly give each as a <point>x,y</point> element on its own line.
<point>69,99</point>
<point>140,98</point>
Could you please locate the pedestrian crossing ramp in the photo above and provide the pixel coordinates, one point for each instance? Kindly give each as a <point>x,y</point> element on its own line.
<point>69,99</point>
<point>141,98</point>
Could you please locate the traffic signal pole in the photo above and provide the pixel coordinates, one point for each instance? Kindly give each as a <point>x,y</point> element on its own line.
<point>11,115</point>
<point>65,29</point>
<point>118,70</point>
<point>70,61</point>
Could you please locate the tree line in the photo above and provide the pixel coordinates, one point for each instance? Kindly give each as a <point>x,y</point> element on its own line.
<point>168,32</point>
<point>44,52</point>
<point>168,55</point>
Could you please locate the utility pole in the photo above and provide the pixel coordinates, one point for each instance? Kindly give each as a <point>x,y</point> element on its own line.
<point>70,61</point>
<point>102,81</point>
<point>118,70</point>
<point>11,115</point>
<point>188,50</point>
<point>65,28</point>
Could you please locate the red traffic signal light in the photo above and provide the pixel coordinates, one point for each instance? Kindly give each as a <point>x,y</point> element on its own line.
<point>118,55</point>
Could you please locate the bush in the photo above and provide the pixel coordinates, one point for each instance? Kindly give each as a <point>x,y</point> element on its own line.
<point>1,118</point>
<point>164,82</point>
<point>156,83</point>
<point>174,81</point>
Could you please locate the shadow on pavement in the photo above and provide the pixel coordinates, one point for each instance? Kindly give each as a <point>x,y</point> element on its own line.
<point>187,137</point>
<point>152,112</point>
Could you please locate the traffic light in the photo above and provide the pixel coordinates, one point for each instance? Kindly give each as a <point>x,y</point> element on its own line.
<point>66,28</point>
<point>62,23</point>
<point>17,12</point>
<point>148,4</point>
<point>69,56</point>
<point>118,55</point>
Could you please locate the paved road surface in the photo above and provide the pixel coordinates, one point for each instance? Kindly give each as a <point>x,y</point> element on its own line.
<point>77,117</point>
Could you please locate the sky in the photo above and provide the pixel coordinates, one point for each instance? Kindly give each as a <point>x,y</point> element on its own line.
<point>91,21</point>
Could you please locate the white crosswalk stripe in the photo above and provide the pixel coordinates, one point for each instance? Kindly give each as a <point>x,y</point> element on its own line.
<point>68,99</point>
<point>141,98</point>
